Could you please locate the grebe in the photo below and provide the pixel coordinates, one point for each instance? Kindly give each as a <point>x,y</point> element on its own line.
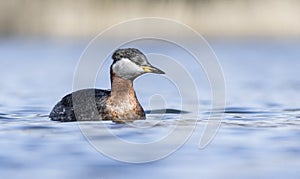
<point>119,104</point>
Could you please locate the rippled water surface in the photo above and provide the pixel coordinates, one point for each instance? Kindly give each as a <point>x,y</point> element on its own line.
<point>259,135</point>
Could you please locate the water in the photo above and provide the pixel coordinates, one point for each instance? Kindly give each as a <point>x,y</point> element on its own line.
<point>259,136</point>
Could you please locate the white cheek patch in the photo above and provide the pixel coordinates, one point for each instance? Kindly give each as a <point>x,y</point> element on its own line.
<point>127,69</point>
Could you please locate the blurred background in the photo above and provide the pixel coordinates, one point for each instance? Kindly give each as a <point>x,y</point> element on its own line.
<point>52,34</point>
<point>86,18</point>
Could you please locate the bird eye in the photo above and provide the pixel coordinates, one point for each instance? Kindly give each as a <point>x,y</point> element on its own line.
<point>141,60</point>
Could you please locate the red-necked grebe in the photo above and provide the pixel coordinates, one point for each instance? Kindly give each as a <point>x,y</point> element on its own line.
<point>119,104</point>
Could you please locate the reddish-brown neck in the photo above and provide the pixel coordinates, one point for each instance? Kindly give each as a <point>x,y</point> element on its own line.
<point>122,103</point>
<point>121,87</point>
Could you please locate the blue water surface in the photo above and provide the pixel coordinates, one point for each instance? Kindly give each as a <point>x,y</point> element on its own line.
<point>259,136</point>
